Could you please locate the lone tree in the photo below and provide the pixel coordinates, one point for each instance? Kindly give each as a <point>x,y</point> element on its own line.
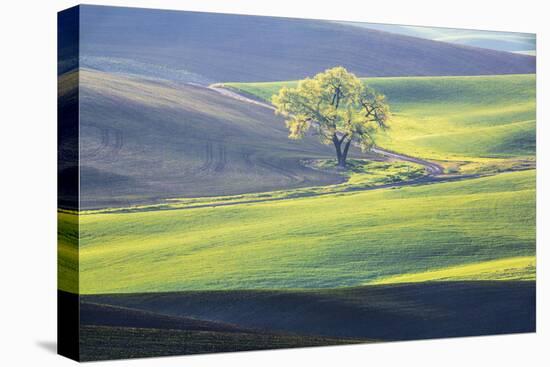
<point>338,106</point>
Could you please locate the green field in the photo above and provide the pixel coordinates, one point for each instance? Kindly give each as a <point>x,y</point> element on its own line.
<point>478,123</point>
<point>260,245</point>
<point>343,234</point>
<point>344,239</point>
<point>106,343</point>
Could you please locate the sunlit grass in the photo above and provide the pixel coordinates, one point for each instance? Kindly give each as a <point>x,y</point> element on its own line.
<point>342,239</point>
<point>479,121</point>
<point>67,251</point>
<point>516,268</point>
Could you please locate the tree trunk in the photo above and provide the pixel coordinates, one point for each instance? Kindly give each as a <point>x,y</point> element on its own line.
<point>341,162</point>
<point>345,153</point>
<point>338,147</point>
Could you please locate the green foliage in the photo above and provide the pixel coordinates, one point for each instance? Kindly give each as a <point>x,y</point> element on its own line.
<point>337,105</point>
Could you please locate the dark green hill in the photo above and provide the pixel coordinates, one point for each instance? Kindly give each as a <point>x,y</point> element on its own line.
<point>138,325</point>
<point>111,332</point>
<point>382,312</point>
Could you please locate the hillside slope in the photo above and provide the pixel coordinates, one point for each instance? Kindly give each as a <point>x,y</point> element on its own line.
<point>111,332</point>
<point>480,119</point>
<point>205,47</point>
<point>141,141</point>
<point>389,312</point>
<point>502,41</point>
<point>344,239</point>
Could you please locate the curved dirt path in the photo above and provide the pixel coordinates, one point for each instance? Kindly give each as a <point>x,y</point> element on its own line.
<point>432,168</point>
<point>231,93</point>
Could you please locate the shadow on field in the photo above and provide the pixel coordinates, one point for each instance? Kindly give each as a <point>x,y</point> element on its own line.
<point>154,324</point>
<point>112,332</point>
<point>215,321</point>
<point>387,312</point>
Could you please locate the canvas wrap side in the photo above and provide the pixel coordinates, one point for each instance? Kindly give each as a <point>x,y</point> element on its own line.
<point>68,176</point>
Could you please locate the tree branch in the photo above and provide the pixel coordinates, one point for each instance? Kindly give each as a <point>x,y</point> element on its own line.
<point>342,138</point>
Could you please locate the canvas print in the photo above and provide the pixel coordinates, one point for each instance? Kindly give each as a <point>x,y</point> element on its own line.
<point>233,183</point>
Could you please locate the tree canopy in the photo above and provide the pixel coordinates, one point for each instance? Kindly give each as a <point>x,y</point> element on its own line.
<point>338,106</point>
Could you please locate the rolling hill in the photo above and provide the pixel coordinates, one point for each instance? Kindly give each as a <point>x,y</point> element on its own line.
<point>206,48</point>
<point>503,41</point>
<point>338,240</point>
<point>108,331</point>
<point>166,122</point>
<point>388,312</point>
<point>142,141</point>
<point>479,121</point>
<point>147,324</point>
